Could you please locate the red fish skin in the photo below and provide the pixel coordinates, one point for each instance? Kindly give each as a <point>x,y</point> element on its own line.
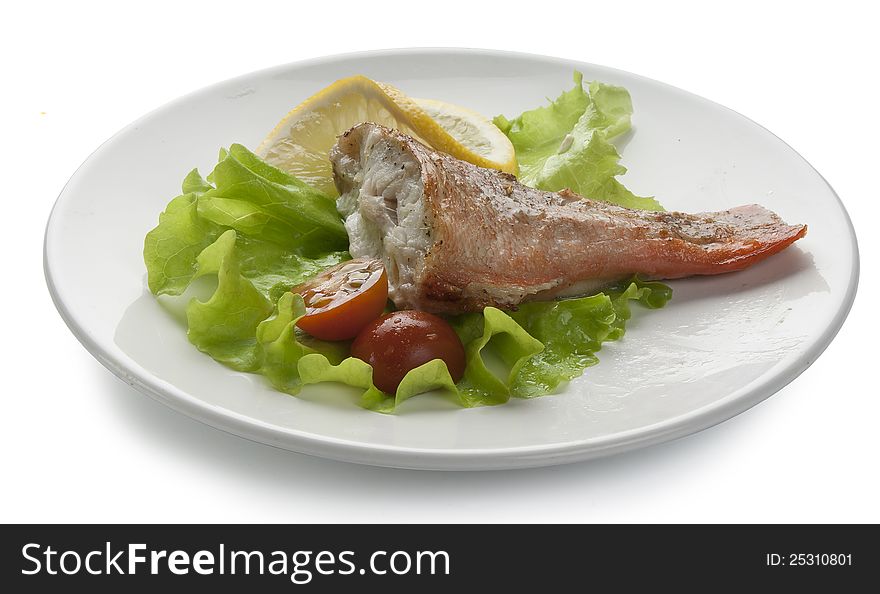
<point>496,242</point>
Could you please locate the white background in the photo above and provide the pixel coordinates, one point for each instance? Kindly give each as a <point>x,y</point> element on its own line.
<point>77,445</point>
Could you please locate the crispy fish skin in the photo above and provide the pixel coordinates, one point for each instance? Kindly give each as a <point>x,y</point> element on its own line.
<point>456,237</point>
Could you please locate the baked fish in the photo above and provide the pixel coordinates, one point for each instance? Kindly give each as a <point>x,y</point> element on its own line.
<point>455,237</point>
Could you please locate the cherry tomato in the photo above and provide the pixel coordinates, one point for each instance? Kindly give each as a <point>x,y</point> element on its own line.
<point>342,300</point>
<point>403,340</point>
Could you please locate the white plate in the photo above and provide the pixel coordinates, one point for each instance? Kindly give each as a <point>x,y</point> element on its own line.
<point>722,344</point>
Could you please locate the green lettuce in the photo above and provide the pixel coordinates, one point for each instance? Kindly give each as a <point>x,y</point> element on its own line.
<point>539,347</point>
<point>566,144</point>
<point>261,201</point>
<point>255,229</point>
<point>573,330</point>
<point>492,332</point>
<point>171,249</point>
<point>281,345</point>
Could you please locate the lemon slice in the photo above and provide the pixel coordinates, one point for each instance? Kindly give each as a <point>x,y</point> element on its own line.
<point>301,142</point>
<point>474,131</point>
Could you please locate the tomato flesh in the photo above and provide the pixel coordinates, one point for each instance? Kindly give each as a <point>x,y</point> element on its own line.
<point>401,341</point>
<point>342,300</point>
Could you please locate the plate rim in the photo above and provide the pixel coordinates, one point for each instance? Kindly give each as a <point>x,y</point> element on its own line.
<point>296,440</point>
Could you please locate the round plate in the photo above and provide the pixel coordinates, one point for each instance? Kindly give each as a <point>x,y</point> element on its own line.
<point>721,345</point>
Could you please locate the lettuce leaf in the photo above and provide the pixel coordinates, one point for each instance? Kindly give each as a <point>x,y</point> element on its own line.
<point>262,201</point>
<point>541,345</point>
<point>492,331</point>
<point>566,144</point>
<point>573,330</point>
<point>433,375</point>
<point>281,345</point>
<point>224,326</point>
<point>170,250</point>
<point>259,231</point>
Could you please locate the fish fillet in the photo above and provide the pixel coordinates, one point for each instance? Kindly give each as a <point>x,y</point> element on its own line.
<point>455,237</point>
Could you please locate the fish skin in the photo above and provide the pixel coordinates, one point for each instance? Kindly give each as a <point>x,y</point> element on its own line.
<point>495,242</point>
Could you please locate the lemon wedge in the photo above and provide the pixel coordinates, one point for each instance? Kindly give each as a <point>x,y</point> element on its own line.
<point>301,142</point>
<point>473,130</point>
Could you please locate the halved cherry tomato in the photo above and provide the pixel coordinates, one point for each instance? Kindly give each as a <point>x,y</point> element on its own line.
<point>400,341</point>
<point>342,300</point>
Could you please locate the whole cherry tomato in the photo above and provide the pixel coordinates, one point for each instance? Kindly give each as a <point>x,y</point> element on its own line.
<point>400,341</point>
